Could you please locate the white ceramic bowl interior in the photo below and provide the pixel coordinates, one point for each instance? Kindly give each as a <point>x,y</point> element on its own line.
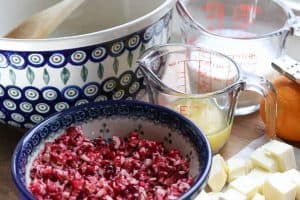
<point>92,16</point>
<point>94,20</point>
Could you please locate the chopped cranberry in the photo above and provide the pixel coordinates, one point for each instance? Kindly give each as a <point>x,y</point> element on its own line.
<point>74,167</point>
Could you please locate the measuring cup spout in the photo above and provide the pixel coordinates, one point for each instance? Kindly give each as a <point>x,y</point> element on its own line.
<point>153,64</point>
<point>148,61</point>
<point>266,89</point>
<point>153,82</point>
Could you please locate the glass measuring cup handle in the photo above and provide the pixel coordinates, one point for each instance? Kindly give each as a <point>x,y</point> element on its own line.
<point>264,88</point>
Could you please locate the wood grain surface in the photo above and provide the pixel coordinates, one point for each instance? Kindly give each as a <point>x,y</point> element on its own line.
<point>8,140</point>
<point>245,129</point>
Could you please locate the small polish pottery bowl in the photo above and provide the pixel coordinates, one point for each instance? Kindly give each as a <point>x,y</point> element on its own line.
<point>90,57</point>
<point>118,118</point>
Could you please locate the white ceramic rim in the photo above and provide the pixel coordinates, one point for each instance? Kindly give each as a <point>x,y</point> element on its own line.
<point>77,41</point>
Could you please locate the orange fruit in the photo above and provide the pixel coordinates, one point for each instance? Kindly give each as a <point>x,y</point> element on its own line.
<point>288,115</point>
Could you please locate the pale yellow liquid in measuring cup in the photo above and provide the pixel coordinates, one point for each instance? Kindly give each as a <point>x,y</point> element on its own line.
<point>208,117</point>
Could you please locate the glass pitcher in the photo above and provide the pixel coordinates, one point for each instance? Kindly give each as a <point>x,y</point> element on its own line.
<point>182,77</point>
<point>253,33</point>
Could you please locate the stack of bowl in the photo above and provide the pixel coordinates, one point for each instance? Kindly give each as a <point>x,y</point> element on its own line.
<point>91,57</point>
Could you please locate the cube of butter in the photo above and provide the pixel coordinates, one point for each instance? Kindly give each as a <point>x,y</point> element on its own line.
<point>261,160</point>
<point>232,194</point>
<point>218,175</point>
<point>258,197</point>
<point>214,196</point>
<point>238,167</point>
<point>259,176</point>
<point>246,185</point>
<point>294,176</point>
<point>202,196</point>
<point>278,187</point>
<point>209,196</point>
<point>283,153</point>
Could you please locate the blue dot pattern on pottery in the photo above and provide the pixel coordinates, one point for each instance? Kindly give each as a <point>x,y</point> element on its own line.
<point>24,105</point>
<point>28,106</point>
<point>78,57</point>
<point>97,111</point>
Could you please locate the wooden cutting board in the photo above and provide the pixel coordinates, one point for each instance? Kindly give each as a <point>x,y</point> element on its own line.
<point>245,130</point>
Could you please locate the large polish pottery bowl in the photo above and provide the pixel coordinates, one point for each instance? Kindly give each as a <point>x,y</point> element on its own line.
<point>90,57</point>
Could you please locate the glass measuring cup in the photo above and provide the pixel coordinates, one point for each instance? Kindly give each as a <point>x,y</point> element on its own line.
<point>251,32</point>
<point>181,77</point>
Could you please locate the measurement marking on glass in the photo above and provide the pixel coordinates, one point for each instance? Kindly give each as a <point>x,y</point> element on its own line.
<point>215,11</point>
<point>243,14</point>
<point>188,109</point>
<point>182,75</point>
